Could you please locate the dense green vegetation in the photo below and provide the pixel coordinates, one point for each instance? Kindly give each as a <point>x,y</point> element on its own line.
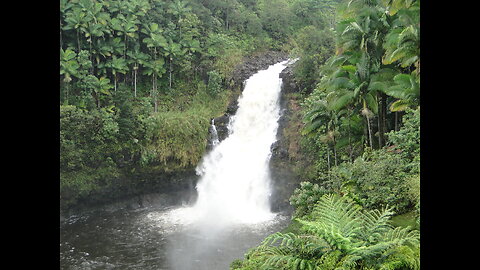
<point>360,145</point>
<point>141,79</point>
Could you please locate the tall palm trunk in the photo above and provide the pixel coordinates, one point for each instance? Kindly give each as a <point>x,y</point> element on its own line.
<point>115,81</point>
<point>67,85</point>
<point>396,121</point>
<point>135,80</point>
<point>334,143</point>
<point>78,39</point>
<point>61,41</point>
<point>369,131</point>
<point>335,152</point>
<point>349,134</point>
<point>170,74</point>
<point>154,92</point>
<point>328,161</point>
<point>382,119</point>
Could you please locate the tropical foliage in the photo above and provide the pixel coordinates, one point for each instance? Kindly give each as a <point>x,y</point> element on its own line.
<point>339,234</point>
<point>140,80</point>
<point>374,75</point>
<point>361,136</point>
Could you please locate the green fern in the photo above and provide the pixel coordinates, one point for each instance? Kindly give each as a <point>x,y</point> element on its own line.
<point>339,234</point>
<point>290,251</point>
<point>363,236</point>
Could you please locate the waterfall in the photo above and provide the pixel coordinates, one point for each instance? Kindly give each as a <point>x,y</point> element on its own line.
<point>235,184</point>
<point>213,131</point>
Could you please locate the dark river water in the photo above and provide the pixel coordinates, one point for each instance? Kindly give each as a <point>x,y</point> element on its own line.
<point>155,238</point>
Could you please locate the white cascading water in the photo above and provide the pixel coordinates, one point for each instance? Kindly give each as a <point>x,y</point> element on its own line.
<point>235,184</point>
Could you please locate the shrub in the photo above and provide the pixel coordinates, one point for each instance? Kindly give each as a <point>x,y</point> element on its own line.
<point>214,86</point>
<point>381,178</point>
<point>175,139</point>
<point>374,180</point>
<point>407,139</point>
<point>305,197</point>
<point>87,138</point>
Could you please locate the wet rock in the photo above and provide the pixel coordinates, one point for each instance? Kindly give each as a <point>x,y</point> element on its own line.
<point>284,179</point>
<point>252,64</point>
<point>289,84</point>
<point>221,124</point>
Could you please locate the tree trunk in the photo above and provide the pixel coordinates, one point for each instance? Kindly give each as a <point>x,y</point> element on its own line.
<point>78,40</point>
<point>369,131</point>
<point>61,41</point>
<point>91,55</point>
<point>334,143</point>
<point>381,119</point>
<point>170,74</point>
<point>396,121</point>
<point>155,109</point>
<point>66,93</point>
<point>135,82</point>
<point>335,154</point>
<point>328,161</point>
<point>349,135</point>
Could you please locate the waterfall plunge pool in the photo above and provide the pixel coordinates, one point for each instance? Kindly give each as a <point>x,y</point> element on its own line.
<point>155,238</point>
<point>231,215</point>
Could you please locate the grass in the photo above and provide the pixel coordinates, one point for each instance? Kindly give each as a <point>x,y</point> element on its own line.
<point>404,220</point>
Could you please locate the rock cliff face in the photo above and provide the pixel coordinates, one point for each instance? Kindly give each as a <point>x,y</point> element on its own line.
<point>284,179</point>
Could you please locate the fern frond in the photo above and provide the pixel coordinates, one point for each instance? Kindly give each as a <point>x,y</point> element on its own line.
<point>336,221</point>
<point>401,257</point>
<point>375,224</point>
<point>402,236</point>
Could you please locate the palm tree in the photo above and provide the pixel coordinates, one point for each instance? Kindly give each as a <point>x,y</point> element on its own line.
<point>126,26</point>
<point>98,86</point>
<point>321,118</point>
<point>154,68</point>
<point>349,86</point>
<point>117,65</point>
<point>402,43</point>
<point>406,88</point>
<point>75,19</point>
<point>68,68</point>
<point>178,8</point>
<point>170,51</point>
<point>65,5</point>
<point>136,57</point>
<point>363,30</point>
